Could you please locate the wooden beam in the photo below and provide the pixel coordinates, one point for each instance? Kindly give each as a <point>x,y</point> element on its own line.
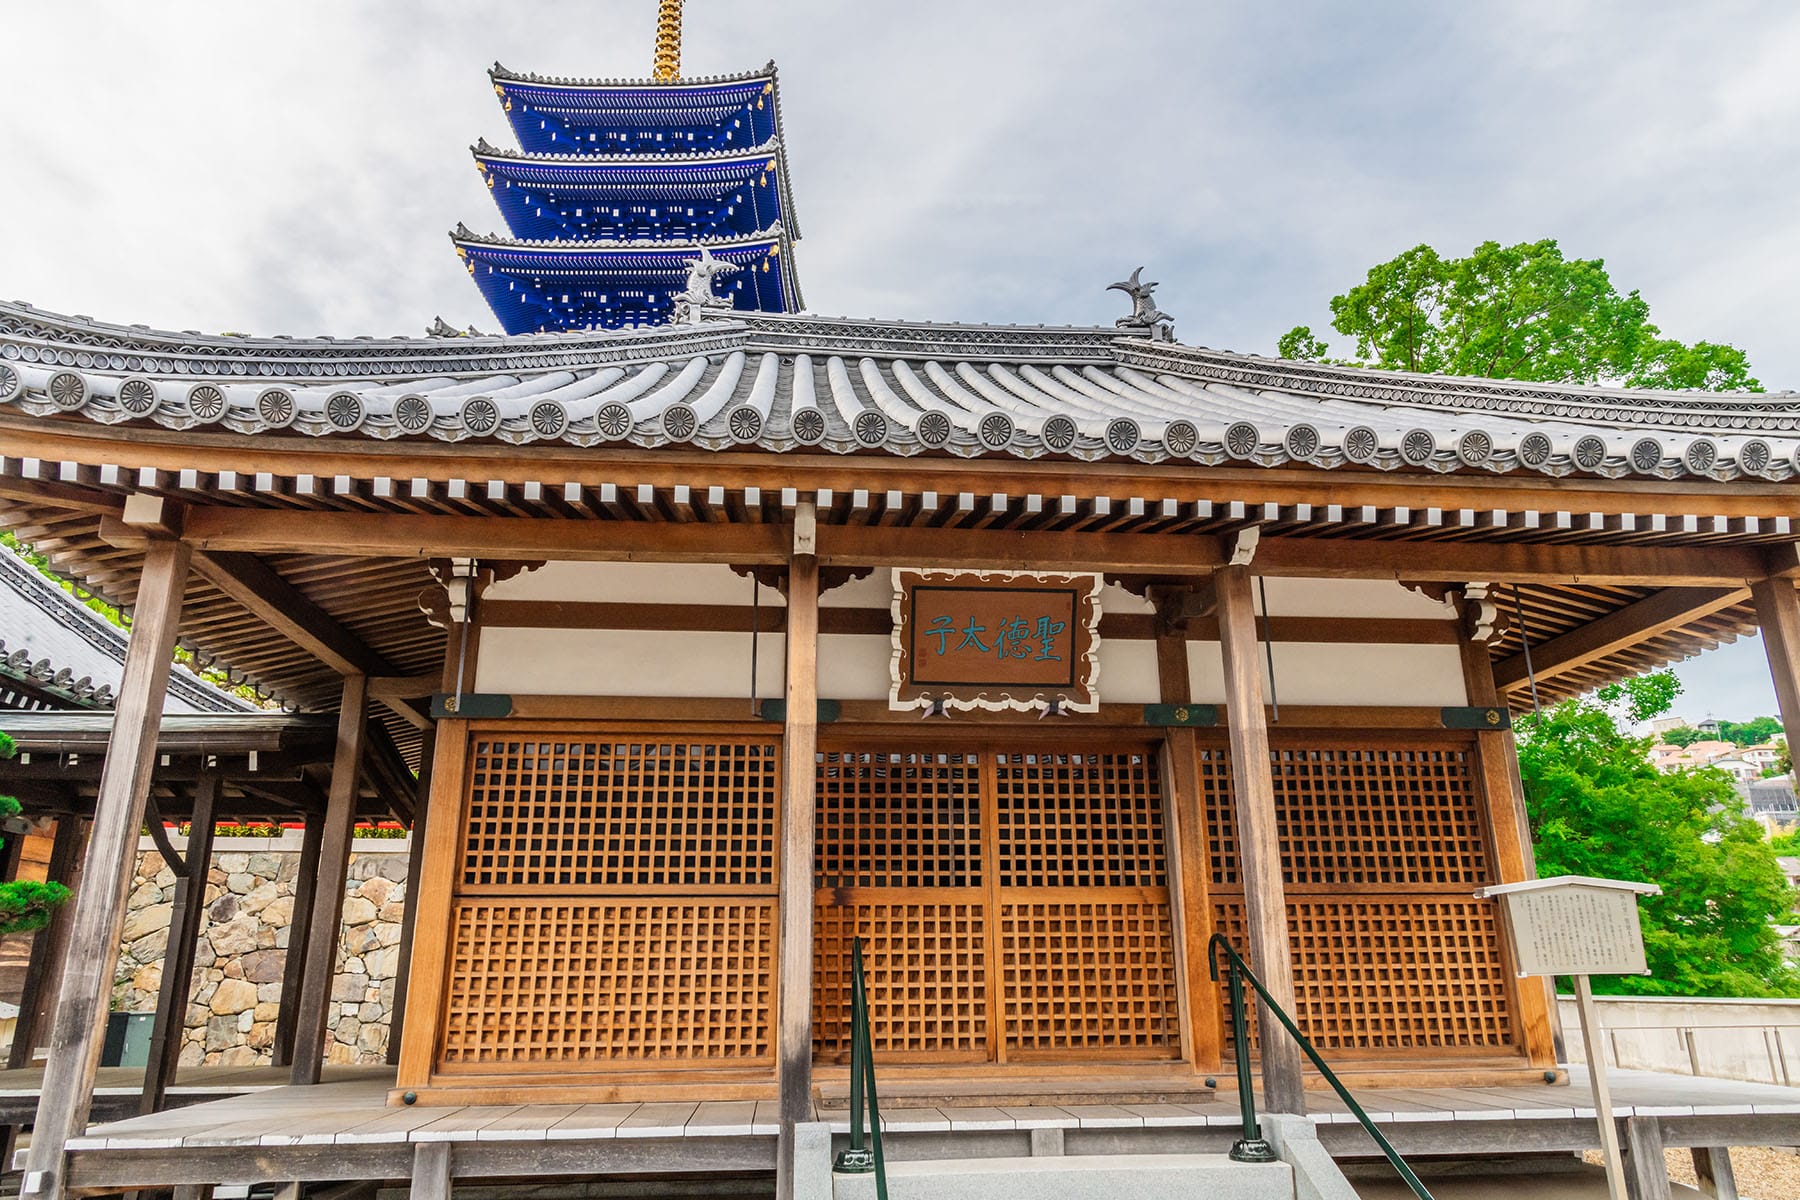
<point>1668,609</point>
<point>398,535</point>
<point>1259,838</point>
<point>82,1005</point>
<point>281,606</point>
<point>387,688</point>
<point>406,535</point>
<point>328,891</point>
<point>50,945</point>
<point>800,740</point>
<point>1514,562</point>
<point>1778,613</point>
<point>189,905</point>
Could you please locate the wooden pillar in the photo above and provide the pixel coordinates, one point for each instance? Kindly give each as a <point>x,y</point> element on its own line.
<point>409,917</point>
<point>1712,1172</point>
<point>1259,837</point>
<point>800,740</point>
<point>1647,1170</point>
<point>1778,613</point>
<point>99,915</point>
<point>293,961</point>
<point>1497,752</point>
<point>50,945</point>
<point>178,955</point>
<point>430,886</point>
<point>322,933</point>
<point>1190,860</point>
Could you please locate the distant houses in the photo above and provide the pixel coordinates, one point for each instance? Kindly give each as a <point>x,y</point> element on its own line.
<point>1770,800</point>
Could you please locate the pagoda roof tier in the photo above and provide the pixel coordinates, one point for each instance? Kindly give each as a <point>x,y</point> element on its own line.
<point>534,286</point>
<point>644,116</point>
<point>556,196</point>
<point>792,383</point>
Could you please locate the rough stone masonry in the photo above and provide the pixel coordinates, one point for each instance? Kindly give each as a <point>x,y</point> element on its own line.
<point>242,951</point>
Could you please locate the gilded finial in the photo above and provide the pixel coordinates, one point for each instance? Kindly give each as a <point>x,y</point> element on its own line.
<point>668,39</point>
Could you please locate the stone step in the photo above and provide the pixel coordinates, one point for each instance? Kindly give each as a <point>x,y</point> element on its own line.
<point>1077,1177</point>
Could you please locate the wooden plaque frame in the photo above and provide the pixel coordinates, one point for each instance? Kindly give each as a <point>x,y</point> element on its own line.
<point>1023,675</point>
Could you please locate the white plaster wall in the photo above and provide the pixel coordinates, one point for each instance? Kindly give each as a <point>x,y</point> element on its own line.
<point>1128,672</point>
<point>632,583</point>
<point>625,662</point>
<point>1340,673</point>
<point>1348,598</point>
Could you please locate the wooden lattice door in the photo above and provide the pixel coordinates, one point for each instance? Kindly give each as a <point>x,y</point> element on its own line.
<point>1014,904</point>
<point>616,905</point>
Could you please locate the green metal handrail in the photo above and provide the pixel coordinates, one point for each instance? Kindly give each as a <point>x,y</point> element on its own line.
<point>860,1159</point>
<point>1252,1147</point>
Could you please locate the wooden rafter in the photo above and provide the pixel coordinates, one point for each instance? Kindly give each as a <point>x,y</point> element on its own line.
<point>1671,608</point>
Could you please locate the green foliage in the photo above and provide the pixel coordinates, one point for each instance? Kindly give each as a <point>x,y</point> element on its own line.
<point>1786,843</point>
<point>1684,736</point>
<point>1641,697</point>
<point>10,807</point>
<point>1753,732</point>
<point>1597,807</point>
<point>26,904</point>
<point>1515,312</point>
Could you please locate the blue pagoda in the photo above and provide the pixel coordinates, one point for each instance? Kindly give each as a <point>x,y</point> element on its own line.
<point>619,185</point>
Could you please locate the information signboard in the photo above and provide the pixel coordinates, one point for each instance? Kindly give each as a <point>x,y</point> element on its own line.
<point>1574,925</point>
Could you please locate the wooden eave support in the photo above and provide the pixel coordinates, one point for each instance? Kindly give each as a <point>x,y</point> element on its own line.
<point>228,530</point>
<point>99,914</point>
<point>1666,610</point>
<point>1778,613</point>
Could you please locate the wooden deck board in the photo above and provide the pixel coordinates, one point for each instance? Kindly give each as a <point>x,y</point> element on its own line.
<point>592,1121</point>
<point>463,1124</point>
<point>723,1118</point>
<point>658,1120</point>
<point>528,1124</point>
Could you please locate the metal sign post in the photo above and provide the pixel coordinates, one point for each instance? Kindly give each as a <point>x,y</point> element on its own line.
<point>1578,926</point>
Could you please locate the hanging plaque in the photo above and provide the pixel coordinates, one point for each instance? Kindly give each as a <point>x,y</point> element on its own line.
<point>996,640</point>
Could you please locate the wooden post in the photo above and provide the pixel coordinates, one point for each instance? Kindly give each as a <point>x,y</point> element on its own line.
<point>430,886</point>
<point>1497,752</point>
<point>1596,1065</point>
<point>75,1040</point>
<point>1778,612</point>
<point>1713,1173</point>
<point>1259,837</point>
<point>409,917</point>
<point>431,1172</point>
<point>50,945</point>
<point>1649,1169</point>
<point>293,960</point>
<point>178,955</point>
<point>322,935</point>
<point>1190,861</point>
<point>800,740</point>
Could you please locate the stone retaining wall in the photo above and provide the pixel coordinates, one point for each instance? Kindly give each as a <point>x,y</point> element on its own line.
<point>242,953</point>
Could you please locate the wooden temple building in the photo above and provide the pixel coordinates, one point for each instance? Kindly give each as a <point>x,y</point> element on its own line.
<point>1031,656</point>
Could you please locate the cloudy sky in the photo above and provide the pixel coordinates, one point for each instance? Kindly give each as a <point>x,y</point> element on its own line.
<point>294,168</point>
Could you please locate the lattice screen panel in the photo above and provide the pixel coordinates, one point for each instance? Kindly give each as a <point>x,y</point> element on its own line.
<point>926,965</point>
<point>1079,820</point>
<point>602,982</point>
<point>1089,976</point>
<point>1389,815</point>
<point>1391,973</point>
<point>597,814</point>
<point>903,819</point>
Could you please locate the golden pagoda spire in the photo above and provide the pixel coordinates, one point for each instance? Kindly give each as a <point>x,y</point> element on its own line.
<point>668,40</point>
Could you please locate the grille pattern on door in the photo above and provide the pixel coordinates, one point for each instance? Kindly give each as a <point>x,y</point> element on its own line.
<point>1014,904</point>
<point>616,904</point>
<point>1382,846</point>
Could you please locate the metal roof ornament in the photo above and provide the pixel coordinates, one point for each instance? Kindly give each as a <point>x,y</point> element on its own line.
<point>1144,313</point>
<point>692,305</point>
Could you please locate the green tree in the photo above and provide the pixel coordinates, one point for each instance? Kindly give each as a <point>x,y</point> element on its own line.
<point>1753,732</point>
<point>1597,807</point>
<point>1686,735</point>
<point>1514,312</point>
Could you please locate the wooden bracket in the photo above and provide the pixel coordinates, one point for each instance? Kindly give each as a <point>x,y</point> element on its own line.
<point>157,515</point>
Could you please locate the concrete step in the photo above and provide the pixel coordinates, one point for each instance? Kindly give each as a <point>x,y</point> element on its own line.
<point>1077,1177</point>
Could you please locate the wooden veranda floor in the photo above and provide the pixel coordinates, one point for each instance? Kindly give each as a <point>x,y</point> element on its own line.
<point>345,1130</point>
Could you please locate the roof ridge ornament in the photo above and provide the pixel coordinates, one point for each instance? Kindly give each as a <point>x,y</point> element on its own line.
<point>699,299</point>
<point>668,40</point>
<point>1144,313</point>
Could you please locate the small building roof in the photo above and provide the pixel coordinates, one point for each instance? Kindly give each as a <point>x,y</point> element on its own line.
<point>56,652</point>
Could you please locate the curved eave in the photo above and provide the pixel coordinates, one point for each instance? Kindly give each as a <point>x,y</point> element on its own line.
<point>871,387</point>
<point>499,74</point>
